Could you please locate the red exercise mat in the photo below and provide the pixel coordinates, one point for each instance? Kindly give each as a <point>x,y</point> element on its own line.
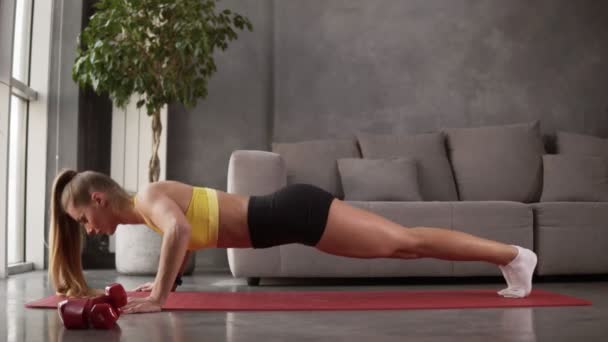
<point>346,300</point>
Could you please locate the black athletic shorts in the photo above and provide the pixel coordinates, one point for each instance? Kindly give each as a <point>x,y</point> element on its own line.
<point>296,213</point>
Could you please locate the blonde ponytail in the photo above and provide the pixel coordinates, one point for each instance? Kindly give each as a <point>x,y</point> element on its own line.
<point>65,241</point>
<point>66,235</point>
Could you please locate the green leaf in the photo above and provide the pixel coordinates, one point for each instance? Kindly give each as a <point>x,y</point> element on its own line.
<point>164,49</point>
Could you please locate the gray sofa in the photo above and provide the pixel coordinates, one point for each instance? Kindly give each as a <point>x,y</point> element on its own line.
<point>496,182</point>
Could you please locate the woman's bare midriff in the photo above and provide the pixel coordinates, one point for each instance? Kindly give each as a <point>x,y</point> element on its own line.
<point>233,230</point>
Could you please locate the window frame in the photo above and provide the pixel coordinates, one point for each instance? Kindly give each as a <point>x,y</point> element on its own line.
<point>36,93</point>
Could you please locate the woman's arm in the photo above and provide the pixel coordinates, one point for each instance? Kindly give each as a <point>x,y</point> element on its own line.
<point>181,271</point>
<point>172,253</point>
<point>167,215</point>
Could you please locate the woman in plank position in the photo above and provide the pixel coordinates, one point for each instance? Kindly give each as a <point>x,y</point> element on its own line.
<point>191,218</point>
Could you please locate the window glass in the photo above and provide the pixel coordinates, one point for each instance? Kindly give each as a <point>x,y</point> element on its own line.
<point>22,40</point>
<point>16,180</point>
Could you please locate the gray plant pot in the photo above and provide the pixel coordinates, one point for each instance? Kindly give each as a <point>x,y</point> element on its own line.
<point>138,251</point>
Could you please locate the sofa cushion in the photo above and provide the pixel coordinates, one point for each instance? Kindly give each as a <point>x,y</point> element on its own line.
<point>314,162</point>
<point>574,178</point>
<point>504,221</point>
<point>572,143</point>
<point>497,162</point>
<point>379,179</point>
<point>434,172</point>
<point>571,237</point>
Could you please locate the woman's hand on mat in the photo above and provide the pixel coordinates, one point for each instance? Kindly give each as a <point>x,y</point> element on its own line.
<point>137,304</point>
<point>147,287</point>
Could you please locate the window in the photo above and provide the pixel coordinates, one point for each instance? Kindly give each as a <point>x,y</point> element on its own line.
<point>22,40</point>
<point>21,95</point>
<point>24,102</point>
<point>16,181</point>
<point>23,161</point>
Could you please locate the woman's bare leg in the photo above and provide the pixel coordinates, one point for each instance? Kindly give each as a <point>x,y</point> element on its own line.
<point>354,232</point>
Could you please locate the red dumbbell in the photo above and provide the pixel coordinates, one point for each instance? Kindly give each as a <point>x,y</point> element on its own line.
<point>100,312</point>
<point>73,313</point>
<point>103,316</point>
<point>115,295</point>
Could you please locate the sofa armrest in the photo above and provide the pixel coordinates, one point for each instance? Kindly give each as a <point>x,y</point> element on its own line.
<point>255,173</point>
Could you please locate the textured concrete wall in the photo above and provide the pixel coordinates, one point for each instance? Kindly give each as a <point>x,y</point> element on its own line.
<point>318,69</point>
<point>414,66</point>
<point>234,116</point>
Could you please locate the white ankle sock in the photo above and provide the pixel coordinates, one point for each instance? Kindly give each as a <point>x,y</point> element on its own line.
<point>518,274</point>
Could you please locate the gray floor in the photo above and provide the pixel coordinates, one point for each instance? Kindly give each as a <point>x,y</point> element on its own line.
<point>521,324</point>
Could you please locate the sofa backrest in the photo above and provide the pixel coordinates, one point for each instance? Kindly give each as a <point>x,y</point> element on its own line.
<point>497,162</point>
<point>581,144</point>
<point>315,162</point>
<point>434,172</point>
<point>492,163</point>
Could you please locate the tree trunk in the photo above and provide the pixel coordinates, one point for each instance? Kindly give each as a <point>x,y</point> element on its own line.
<point>154,165</point>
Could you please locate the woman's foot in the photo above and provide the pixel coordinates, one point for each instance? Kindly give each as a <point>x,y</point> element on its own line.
<point>518,274</point>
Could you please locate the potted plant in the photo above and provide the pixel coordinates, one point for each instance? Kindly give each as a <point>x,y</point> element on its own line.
<point>161,50</point>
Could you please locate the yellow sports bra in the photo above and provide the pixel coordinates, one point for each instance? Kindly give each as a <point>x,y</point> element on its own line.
<point>203,216</point>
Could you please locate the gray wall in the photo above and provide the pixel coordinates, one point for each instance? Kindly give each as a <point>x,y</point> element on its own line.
<point>234,116</point>
<point>80,122</point>
<point>325,69</point>
<point>414,66</point>
<point>62,149</point>
<point>63,92</point>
